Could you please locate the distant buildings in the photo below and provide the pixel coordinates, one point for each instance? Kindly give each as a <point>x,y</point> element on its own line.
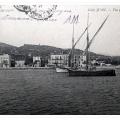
<point>19,60</point>
<point>5,61</point>
<point>63,60</point>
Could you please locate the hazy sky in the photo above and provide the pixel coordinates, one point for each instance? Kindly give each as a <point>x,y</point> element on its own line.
<point>59,34</point>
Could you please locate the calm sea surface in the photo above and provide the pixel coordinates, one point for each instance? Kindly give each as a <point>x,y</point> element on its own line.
<point>48,92</point>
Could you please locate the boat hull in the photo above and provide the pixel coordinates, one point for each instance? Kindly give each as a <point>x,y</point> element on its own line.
<point>61,70</point>
<point>110,72</point>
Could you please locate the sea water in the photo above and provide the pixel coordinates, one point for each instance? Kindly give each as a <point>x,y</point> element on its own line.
<point>47,92</point>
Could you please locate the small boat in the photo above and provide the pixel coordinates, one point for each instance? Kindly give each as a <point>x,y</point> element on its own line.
<point>61,70</point>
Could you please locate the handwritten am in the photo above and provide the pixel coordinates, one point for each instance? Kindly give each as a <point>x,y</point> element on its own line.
<point>72,19</point>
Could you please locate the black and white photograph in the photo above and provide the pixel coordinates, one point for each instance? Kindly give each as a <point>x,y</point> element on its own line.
<point>59,59</point>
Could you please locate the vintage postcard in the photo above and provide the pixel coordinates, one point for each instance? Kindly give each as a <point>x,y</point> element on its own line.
<point>59,59</point>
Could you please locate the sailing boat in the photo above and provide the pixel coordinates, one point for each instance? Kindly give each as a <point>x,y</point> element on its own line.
<point>64,69</point>
<point>89,70</point>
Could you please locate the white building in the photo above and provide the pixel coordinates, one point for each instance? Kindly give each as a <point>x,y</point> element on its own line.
<point>36,58</point>
<point>82,61</point>
<point>20,63</point>
<point>5,61</point>
<point>78,61</point>
<point>37,61</point>
<point>59,59</point>
<point>19,60</point>
<point>63,59</point>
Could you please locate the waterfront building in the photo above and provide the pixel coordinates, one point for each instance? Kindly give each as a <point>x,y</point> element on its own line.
<point>5,61</point>
<point>78,60</point>
<point>63,60</point>
<point>20,63</point>
<point>36,61</point>
<point>58,59</point>
<point>19,60</point>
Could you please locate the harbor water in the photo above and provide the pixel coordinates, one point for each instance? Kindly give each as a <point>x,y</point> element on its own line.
<point>44,92</point>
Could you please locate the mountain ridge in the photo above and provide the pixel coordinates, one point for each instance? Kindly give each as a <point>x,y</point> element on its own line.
<point>43,50</point>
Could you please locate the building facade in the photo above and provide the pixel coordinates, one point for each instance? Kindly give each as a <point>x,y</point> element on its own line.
<point>36,61</point>
<point>79,60</point>
<point>63,60</point>
<point>59,59</point>
<point>5,61</point>
<point>20,63</point>
<point>19,60</point>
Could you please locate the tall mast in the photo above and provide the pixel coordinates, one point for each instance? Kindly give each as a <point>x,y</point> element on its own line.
<point>72,59</point>
<point>73,36</point>
<point>91,41</point>
<point>75,43</point>
<point>71,54</point>
<point>87,52</point>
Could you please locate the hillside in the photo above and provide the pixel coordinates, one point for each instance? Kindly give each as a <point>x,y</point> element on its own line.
<point>45,51</point>
<point>7,49</point>
<point>42,50</point>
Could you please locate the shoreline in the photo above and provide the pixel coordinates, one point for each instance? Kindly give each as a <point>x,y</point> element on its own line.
<point>25,68</point>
